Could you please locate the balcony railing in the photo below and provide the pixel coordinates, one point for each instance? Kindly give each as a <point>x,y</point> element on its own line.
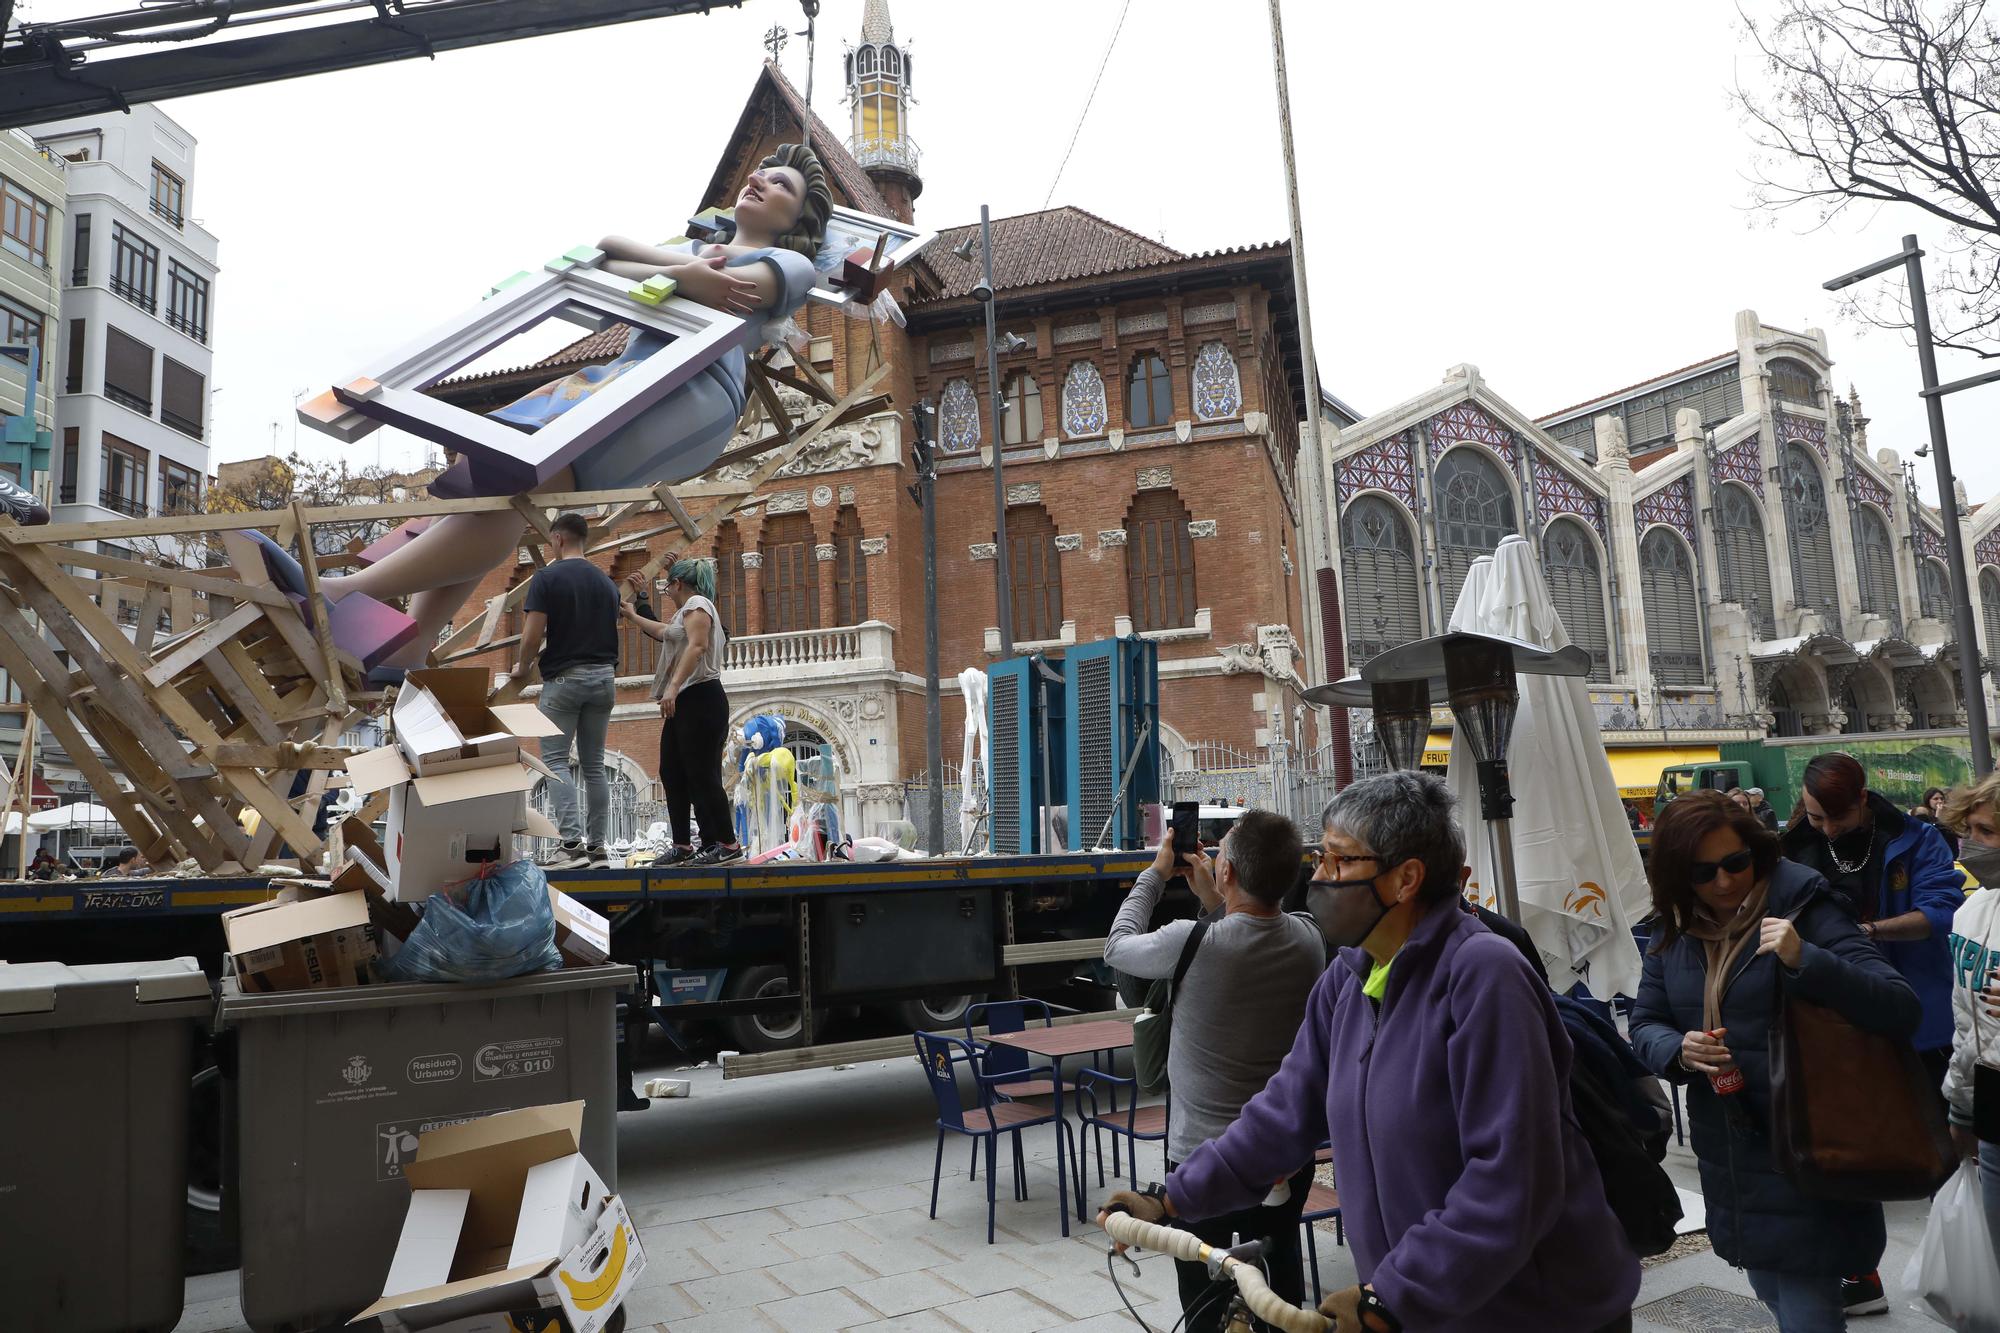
<point>192,328</point>
<point>145,300</point>
<point>801,648</point>
<point>161,210</point>
<point>180,423</point>
<point>122,504</point>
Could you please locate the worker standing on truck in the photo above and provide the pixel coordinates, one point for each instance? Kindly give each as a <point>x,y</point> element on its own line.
<point>694,711</point>
<point>1896,874</point>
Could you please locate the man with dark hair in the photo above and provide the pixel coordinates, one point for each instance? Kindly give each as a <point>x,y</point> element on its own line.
<point>1235,1014</point>
<point>126,865</point>
<point>571,627</point>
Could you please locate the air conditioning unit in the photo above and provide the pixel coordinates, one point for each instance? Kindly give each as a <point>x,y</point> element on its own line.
<point>1025,752</point>
<point>1112,708</point>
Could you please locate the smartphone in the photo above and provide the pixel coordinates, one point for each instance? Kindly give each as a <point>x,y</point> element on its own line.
<point>1186,825</point>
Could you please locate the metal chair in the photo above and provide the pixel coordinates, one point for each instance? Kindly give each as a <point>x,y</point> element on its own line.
<point>940,1055</point>
<point>1132,1121</point>
<point>1322,1202</point>
<point>1000,1017</point>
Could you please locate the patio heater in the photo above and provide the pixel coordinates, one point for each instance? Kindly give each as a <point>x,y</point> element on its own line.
<point>1476,672</point>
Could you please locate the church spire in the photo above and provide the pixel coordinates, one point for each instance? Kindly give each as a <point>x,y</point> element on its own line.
<point>878,90</point>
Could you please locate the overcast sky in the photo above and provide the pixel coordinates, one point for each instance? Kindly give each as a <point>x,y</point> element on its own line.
<point>1555,192</point>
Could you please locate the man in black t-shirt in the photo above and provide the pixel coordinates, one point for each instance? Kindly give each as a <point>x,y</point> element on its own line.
<point>572,624</point>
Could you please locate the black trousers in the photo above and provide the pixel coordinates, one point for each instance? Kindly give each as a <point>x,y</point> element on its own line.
<point>691,764</point>
<point>1206,1301</point>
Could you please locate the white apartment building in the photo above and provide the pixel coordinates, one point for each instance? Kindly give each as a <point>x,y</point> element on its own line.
<point>137,311</point>
<point>31,259</point>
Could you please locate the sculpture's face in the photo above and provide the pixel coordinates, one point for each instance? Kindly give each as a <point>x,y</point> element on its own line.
<point>771,199</point>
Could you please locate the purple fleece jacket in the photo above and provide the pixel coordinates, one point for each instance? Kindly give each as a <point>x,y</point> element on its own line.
<point>1470,1196</point>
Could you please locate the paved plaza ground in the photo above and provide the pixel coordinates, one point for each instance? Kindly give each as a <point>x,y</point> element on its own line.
<point>798,1203</point>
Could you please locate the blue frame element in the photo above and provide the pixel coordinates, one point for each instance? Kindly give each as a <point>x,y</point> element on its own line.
<point>1111,703</point>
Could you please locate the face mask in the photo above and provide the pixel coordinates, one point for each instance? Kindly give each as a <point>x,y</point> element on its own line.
<point>1345,910</point>
<point>1983,863</point>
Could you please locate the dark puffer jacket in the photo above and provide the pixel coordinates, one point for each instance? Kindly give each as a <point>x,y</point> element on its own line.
<point>1755,1218</point>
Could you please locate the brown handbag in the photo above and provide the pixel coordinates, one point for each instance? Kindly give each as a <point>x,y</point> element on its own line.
<point>1854,1114</point>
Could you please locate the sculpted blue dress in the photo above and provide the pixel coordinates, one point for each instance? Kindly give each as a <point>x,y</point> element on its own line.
<point>682,435</point>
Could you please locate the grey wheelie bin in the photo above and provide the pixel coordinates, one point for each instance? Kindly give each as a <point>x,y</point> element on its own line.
<point>332,1088</point>
<point>94,1140</point>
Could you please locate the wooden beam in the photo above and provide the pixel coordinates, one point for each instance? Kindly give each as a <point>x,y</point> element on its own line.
<point>249,705</point>
<point>672,504</point>
<point>322,617</point>
<point>167,576</point>
<point>284,754</point>
<point>781,420</point>
<point>150,612</point>
<point>197,646</point>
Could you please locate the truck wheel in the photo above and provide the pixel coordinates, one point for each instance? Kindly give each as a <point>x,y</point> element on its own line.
<point>939,1013</point>
<point>751,1033</point>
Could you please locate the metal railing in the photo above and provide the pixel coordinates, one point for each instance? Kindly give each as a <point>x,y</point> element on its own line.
<point>145,300</point>
<point>122,504</point>
<point>799,648</point>
<point>185,425</point>
<point>192,328</point>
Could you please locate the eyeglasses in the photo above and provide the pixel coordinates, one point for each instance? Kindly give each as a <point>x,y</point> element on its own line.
<point>1701,872</point>
<point>1318,857</point>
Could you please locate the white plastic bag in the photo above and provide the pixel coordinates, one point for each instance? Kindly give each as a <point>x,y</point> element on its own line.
<point>1952,1276</point>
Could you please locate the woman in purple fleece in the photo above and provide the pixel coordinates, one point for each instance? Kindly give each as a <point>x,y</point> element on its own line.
<point>1436,1062</point>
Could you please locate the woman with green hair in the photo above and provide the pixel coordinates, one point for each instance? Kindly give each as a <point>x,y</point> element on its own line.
<point>694,711</point>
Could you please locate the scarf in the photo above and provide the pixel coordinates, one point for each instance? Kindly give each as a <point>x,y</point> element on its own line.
<point>1722,943</point>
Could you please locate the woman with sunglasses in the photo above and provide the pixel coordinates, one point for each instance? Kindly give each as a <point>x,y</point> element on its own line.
<point>1735,923</point>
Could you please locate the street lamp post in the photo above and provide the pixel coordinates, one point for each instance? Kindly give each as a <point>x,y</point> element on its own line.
<point>1911,258</point>
<point>923,457</point>
<point>1003,588</point>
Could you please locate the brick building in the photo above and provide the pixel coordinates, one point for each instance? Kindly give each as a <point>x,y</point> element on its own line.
<point>1149,447</point>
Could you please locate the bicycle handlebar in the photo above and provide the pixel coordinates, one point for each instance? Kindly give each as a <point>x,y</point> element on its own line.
<point>1263,1302</point>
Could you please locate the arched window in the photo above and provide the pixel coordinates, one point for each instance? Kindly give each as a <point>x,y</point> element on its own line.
<point>1576,585</point>
<point>1475,510</point>
<point>1673,614</point>
<point>1785,719</point>
<point>1083,400</point>
<point>1149,394</point>
<point>958,417</point>
<point>1159,562</point>
<point>1218,393</point>
<point>1933,590</point>
<point>1875,555</point>
<point>1814,583</point>
<point>1989,601</point>
<point>1384,607</point>
<point>732,585</point>
<point>850,569</point>
<point>1034,573</point>
<point>1793,381</point>
<point>1850,703</point>
<point>892,61</point>
<point>1023,422</point>
<point>864,61</point>
<point>791,583</point>
<point>1744,557</point>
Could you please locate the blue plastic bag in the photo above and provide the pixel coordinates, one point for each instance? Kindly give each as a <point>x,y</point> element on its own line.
<point>496,925</point>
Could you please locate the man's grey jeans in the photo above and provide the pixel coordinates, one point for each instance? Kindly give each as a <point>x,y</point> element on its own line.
<point>579,701</point>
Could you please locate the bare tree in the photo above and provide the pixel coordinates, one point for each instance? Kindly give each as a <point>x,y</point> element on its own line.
<point>317,484</point>
<point>1873,102</point>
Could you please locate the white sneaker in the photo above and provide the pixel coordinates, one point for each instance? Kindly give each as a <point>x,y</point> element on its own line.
<point>565,856</point>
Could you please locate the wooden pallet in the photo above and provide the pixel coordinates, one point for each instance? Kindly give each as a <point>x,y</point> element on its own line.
<point>239,695</point>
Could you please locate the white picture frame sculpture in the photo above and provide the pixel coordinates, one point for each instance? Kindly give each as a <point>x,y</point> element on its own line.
<point>501,458</point>
<point>849,231</point>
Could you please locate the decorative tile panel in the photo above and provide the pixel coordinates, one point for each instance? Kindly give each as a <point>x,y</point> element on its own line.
<point>1202,527</point>
<point>1024,493</point>
<point>1802,428</point>
<point>1468,422</point>
<point>1385,465</point>
<point>1083,410</point>
<point>942,353</point>
<point>1217,393</point>
<point>1155,478</point>
<point>1111,537</point>
<point>1069,541</point>
<point>1742,461</point>
<point>1930,545</point>
<point>1213,313</point>
<point>1557,492</point>
<point>1861,486</point>
<point>753,560</point>
<point>822,496</point>
<point>786,502</point>
<point>874,546</point>
<point>1986,551</point>
<point>847,495</point>
<point>1672,504</point>
<point>824,551</point>
<point>958,418</point>
<point>1150,322</point>
<point>1070,334</point>
<point>981,550</point>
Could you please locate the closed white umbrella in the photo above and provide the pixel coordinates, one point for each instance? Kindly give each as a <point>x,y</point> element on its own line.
<point>1582,884</point>
<point>70,816</point>
<point>972,686</point>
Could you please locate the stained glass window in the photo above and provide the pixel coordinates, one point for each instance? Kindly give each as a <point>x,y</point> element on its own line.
<point>958,418</point>
<point>1475,510</point>
<point>1744,557</point>
<point>1875,554</point>
<point>1794,382</point>
<point>1933,590</point>
<point>1814,583</point>
<point>1083,400</point>
<point>1673,614</point>
<point>1576,585</point>
<point>1217,392</point>
<point>1379,564</point>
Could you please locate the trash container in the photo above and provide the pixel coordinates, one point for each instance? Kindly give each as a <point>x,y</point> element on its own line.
<point>332,1088</point>
<point>94,1140</point>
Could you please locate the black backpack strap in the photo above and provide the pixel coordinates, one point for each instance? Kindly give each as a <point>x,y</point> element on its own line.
<point>1187,952</point>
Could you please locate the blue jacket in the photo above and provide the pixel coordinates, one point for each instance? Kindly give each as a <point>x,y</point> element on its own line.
<point>1471,1198</point>
<point>1918,875</point>
<point>1755,1218</point>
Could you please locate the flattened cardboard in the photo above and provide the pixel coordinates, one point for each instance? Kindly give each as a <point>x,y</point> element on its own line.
<point>295,942</point>
<point>441,715</point>
<point>583,937</point>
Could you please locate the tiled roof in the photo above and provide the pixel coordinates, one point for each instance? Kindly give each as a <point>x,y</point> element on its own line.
<point>1640,462</point>
<point>590,349</point>
<point>848,177</point>
<point>1054,245</point>
<point>1616,394</point>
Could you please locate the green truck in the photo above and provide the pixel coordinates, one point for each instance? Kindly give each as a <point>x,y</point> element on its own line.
<point>1900,767</point>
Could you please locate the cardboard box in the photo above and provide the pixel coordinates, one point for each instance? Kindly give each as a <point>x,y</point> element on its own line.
<point>299,942</point>
<point>506,1218</point>
<point>583,937</point>
<point>458,782</point>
